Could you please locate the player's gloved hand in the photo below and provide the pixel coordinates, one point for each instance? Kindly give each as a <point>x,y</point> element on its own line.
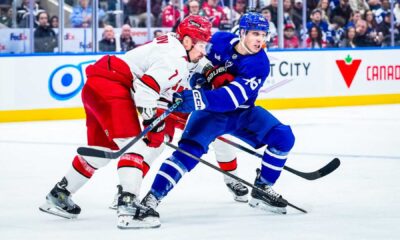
<point>155,137</point>
<point>219,76</point>
<point>191,100</point>
<point>196,80</point>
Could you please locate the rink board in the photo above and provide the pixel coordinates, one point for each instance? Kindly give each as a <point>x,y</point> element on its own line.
<point>48,87</point>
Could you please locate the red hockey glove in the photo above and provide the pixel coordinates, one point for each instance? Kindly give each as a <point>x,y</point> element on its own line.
<point>218,76</point>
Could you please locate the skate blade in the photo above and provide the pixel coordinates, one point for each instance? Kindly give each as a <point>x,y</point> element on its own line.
<point>255,203</point>
<point>54,210</point>
<point>242,199</point>
<point>113,207</point>
<point>127,222</point>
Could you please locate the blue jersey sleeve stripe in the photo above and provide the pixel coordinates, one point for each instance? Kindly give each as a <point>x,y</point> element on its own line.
<point>233,98</point>
<point>242,90</point>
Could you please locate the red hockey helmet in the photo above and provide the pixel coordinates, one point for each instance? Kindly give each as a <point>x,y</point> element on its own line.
<point>196,27</point>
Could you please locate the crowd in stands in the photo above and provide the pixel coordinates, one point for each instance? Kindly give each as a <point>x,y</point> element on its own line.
<point>330,23</point>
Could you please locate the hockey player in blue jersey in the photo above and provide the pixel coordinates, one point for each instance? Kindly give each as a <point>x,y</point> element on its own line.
<point>230,109</point>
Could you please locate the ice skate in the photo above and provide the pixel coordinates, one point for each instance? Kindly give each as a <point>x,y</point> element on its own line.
<point>114,204</point>
<point>150,201</point>
<point>238,190</point>
<point>268,200</point>
<point>59,203</point>
<point>133,215</point>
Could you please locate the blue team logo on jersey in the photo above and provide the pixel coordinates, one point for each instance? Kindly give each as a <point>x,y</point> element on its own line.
<point>67,80</point>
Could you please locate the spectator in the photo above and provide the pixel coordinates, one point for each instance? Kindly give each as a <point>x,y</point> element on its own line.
<point>355,16</point>
<point>54,22</point>
<point>371,21</point>
<point>23,14</point>
<point>297,14</point>
<point>157,33</point>
<point>238,10</point>
<point>315,39</point>
<point>323,5</point>
<point>343,10</point>
<point>376,8</point>
<point>335,31</point>
<point>363,39</point>
<point>273,9</point>
<point>214,12</point>
<point>348,41</point>
<point>81,16</point>
<point>385,29</point>
<point>44,36</point>
<point>170,14</point>
<point>125,38</point>
<point>287,12</point>
<point>316,20</point>
<point>272,28</point>
<point>191,8</point>
<point>135,12</point>
<point>290,40</point>
<point>6,17</point>
<point>108,44</point>
<point>359,5</point>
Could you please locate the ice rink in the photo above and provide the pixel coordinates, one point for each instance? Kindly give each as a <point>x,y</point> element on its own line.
<point>360,200</point>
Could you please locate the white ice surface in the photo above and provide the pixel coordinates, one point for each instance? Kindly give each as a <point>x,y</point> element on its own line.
<point>361,200</point>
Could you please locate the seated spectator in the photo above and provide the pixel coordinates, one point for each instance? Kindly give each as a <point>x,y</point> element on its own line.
<point>359,5</point>
<point>135,12</point>
<point>355,16</point>
<point>238,10</point>
<point>6,17</point>
<point>108,44</point>
<point>369,17</point>
<point>44,36</point>
<point>157,33</point>
<point>290,40</point>
<point>343,9</point>
<point>363,39</point>
<point>272,28</point>
<point>323,5</point>
<point>335,32</point>
<point>171,14</point>
<point>126,40</point>
<point>54,22</point>
<point>23,13</point>
<point>214,12</point>
<point>376,8</point>
<point>316,20</point>
<point>297,14</point>
<point>315,39</point>
<point>348,40</point>
<point>385,29</point>
<point>81,16</point>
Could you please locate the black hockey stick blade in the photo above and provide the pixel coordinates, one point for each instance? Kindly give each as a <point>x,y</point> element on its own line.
<point>93,152</point>
<point>226,173</point>
<point>325,170</point>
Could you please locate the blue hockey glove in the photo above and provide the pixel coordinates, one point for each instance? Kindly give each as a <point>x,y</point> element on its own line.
<point>191,100</point>
<point>197,79</point>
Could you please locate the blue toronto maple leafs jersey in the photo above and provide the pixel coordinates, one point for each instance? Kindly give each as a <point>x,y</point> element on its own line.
<point>250,73</point>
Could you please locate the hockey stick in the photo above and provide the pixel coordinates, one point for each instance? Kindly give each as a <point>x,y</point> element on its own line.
<point>325,170</point>
<point>228,174</point>
<point>92,152</point>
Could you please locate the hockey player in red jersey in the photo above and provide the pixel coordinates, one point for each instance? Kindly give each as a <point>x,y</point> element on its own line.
<point>116,88</point>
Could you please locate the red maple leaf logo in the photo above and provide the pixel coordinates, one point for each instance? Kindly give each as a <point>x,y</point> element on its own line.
<point>348,68</point>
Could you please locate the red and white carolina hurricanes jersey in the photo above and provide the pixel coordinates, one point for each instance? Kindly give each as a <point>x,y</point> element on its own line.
<point>158,67</point>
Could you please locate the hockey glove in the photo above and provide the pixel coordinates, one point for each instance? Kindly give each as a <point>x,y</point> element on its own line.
<point>155,137</point>
<point>196,80</point>
<point>219,76</point>
<point>191,100</point>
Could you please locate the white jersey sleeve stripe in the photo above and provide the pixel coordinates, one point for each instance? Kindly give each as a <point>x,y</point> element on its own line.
<point>234,100</point>
<point>244,94</point>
